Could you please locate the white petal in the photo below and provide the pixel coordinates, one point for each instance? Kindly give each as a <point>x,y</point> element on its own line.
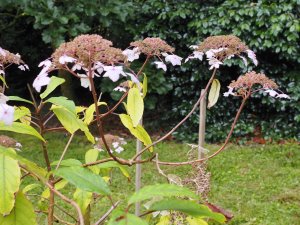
<point>174,59</point>
<point>7,114</point>
<point>244,60</point>
<point>41,80</point>
<point>66,59</point>
<point>115,144</point>
<point>214,63</point>
<point>84,81</point>
<point>21,67</point>
<point>252,56</point>
<point>229,92</point>
<point>271,92</point>
<point>2,72</point>
<point>193,46</point>
<point>131,54</point>
<point>3,98</point>
<point>133,78</point>
<point>160,65</point>
<point>77,66</point>
<point>121,89</point>
<point>45,63</point>
<point>119,149</point>
<point>2,52</point>
<point>283,96</point>
<point>113,72</point>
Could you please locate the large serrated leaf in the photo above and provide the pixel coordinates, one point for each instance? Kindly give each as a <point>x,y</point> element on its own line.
<point>23,114</point>
<point>139,132</point>
<point>189,207</point>
<point>161,190</point>
<point>21,128</point>
<point>10,175</point>
<point>214,93</point>
<point>135,106</point>
<point>22,213</point>
<point>84,179</point>
<point>54,83</point>
<point>83,199</point>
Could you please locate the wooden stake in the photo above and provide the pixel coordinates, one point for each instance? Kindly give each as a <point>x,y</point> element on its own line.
<point>138,174</point>
<point>202,118</point>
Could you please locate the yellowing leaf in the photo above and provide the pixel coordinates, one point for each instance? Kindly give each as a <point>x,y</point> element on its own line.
<point>164,220</point>
<point>54,83</point>
<point>89,113</point>
<point>214,93</point>
<point>145,86</point>
<point>196,221</point>
<point>83,199</point>
<point>10,175</point>
<point>135,105</point>
<point>23,114</point>
<point>91,156</point>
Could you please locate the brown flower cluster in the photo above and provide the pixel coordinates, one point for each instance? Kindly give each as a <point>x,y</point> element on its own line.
<point>252,78</point>
<point>152,46</point>
<point>88,49</point>
<point>230,44</point>
<point>7,58</point>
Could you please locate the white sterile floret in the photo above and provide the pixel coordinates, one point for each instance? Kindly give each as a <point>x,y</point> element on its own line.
<point>2,52</point>
<point>2,72</point>
<point>271,92</point>
<point>98,66</point>
<point>119,149</point>
<point>211,53</point>
<point>46,63</point>
<point>84,81</point>
<point>3,98</point>
<point>229,92</point>
<point>122,141</point>
<point>160,65</point>
<point>132,54</point>
<point>214,63</point>
<point>66,59</point>
<point>174,59</point>
<point>41,80</point>
<point>18,146</point>
<point>133,78</point>
<point>113,72</point>
<point>115,144</point>
<point>121,89</point>
<point>195,55</point>
<point>23,67</point>
<point>7,114</point>
<point>244,60</point>
<point>193,46</point>
<point>252,56</point>
<point>77,66</point>
<point>283,96</point>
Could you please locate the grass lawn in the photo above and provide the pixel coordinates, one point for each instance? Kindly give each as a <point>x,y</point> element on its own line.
<point>258,184</point>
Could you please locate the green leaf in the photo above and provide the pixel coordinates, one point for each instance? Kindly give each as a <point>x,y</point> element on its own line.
<point>145,85</point>
<point>83,199</point>
<point>120,218</point>
<point>3,80</point>
<point>139,132</point>
<point>58,186</point>
<point>188,207</point>
<point>89,113</point>
<point>164,220</point>
<point>68,119</point>
<point>30,187</point>
<point>214,93</point>
<point>67,162</point>
<point>22,129</point>
<point>23,114</point>
<point>54,83</point>
<point>22,214</point>
<point>26,164</point>
<point>113,164</point>
<point>91,156</point>
<point>135,105</point>
<point>17,98</point>
<point>10,175</point>
<point>196,221</point>
<point>63,101</point>
<point>161,190</point>
<point>84,179</point>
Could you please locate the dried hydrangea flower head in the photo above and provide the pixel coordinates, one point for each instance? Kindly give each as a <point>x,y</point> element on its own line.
<point>152,46</point>
<point>252,82</point>
<point>7,58</point>
<point>86,49</point>
<point>219,48</point>
<point>85,56</point>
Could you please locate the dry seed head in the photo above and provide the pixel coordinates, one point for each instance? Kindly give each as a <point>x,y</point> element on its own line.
<point>7,57</point>
<point>253,78</point>
<point>89,48</point>
<point>230,44</point>
<point>152,46</point>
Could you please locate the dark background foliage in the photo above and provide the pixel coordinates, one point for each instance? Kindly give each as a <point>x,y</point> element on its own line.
<point>270,28</point>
